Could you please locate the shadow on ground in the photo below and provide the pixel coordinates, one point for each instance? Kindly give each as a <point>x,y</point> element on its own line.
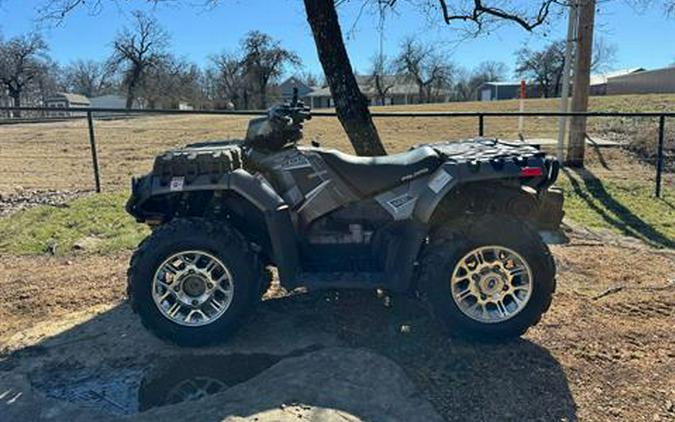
<point>322,356</point>
<point>592,191</point>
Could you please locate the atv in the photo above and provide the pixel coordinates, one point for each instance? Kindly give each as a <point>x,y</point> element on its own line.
<point>456,222</point>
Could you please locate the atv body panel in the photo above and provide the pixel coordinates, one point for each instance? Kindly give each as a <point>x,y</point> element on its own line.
<point>336,220</point>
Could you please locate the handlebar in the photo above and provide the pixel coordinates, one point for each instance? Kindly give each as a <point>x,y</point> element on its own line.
<point>291,113</point>
<point>283,125</point>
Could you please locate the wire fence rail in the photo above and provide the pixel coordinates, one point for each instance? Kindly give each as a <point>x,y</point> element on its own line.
<point>90,114</point>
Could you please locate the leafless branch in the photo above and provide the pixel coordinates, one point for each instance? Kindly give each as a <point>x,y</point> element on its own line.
<point>57,10</point>
<point>480,13</point>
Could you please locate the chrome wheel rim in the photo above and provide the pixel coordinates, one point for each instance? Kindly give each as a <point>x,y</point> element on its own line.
<point>491,284</point>
<point>192,288</point>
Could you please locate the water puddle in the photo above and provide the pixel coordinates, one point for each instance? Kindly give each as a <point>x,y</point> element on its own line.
<point>124,390</point>
<point>196,376</point>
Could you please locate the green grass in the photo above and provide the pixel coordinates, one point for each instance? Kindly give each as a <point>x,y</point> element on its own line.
<point>101,217</point>
<point>627,207</point>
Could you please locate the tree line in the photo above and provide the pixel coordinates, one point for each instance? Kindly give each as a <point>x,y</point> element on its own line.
<point>142,68</point>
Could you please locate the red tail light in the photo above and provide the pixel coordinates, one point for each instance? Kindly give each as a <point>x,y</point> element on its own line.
<point>531,172</point>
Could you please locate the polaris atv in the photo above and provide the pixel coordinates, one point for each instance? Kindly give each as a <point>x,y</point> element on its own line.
<point>456,222</point>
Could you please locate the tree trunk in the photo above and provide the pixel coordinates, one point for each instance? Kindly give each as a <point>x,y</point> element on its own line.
<point>130,95</point>
<point>350,104</point>
<point>558,82</point>
<point>131,89</point>
<point>581,84</point>
<point>16,100</point>
<point>263,98</point>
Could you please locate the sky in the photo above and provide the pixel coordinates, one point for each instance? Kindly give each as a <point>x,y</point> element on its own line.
<point>643,38</point>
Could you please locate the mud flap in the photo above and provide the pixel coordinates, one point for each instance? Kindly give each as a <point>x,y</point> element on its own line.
<point>402,250</point>
<point>284,243</point>
<point>550,213</point>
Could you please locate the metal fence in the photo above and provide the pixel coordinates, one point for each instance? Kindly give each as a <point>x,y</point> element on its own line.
<point>90,114</point>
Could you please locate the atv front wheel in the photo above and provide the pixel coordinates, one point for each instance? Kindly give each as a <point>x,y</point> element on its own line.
<point>192,279</point>
<point>490,277</point>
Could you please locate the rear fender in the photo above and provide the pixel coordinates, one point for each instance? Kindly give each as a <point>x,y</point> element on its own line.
<point>451,175</point>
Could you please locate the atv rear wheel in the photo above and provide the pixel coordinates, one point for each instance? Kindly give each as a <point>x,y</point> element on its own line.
<point>192,280</point>
<point>489,278</point>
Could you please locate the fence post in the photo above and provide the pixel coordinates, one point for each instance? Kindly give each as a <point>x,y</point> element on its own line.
<point>94,156</point>
<point>659,154</point>
<point>481,125</point>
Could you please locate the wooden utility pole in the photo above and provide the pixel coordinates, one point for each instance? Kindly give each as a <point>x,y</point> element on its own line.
<point>567,67</point>
<point>581,84</point>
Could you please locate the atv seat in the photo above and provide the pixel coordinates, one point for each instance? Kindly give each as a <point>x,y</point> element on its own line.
<point>371,175</point>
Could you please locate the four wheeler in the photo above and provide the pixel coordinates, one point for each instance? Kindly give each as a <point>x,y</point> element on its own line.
<point>455,221</point>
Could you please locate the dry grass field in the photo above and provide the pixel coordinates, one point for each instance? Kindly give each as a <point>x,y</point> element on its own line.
<point>57,155</point>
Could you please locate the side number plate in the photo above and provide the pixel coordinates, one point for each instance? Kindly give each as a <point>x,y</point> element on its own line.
<point>439,180</point>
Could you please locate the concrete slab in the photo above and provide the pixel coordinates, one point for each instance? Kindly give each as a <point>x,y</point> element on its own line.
<point>602,142</point>
<point>592,140</point>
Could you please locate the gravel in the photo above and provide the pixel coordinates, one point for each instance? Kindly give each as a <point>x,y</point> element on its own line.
<point>22,199</point>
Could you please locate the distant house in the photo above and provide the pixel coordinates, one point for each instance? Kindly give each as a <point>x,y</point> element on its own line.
<point>287,86</point>
<point>599,81</point>
<point>658,81</point>
<point>399,91</point>
<point>66,100</point>
<point>185,106</point>
<point>109,101</point>
<point>112,101</point>
<point>509,90</point>
<point>504,90</point>
<point>319,97</point>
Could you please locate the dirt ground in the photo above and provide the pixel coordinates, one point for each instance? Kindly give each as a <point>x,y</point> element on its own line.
<point>605,350</point>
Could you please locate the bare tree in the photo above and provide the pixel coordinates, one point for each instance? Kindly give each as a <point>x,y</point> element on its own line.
<point>670,7</point>
<point>382,76</point>
<point>87,77</point>
<point>170,82</point>
<point>544,66</point>
<point>22,61</point>
<point>230,80</point>
<point>604,55</point>
<point>490,70</point>
<point>468,83</point>
<point>427,67</point>
<point>311,79</point>
<point>483,14</point>
<point>264,61</point>
<point>47,82</point>
<point>136,50</point>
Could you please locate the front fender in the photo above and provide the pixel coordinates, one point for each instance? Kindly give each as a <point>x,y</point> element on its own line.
<point>255,190</point>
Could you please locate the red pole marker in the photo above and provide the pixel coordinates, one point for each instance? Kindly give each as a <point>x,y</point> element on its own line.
<point>522,108</point>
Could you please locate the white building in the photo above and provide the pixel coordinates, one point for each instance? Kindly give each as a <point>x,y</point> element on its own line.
<point>66,100</point>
